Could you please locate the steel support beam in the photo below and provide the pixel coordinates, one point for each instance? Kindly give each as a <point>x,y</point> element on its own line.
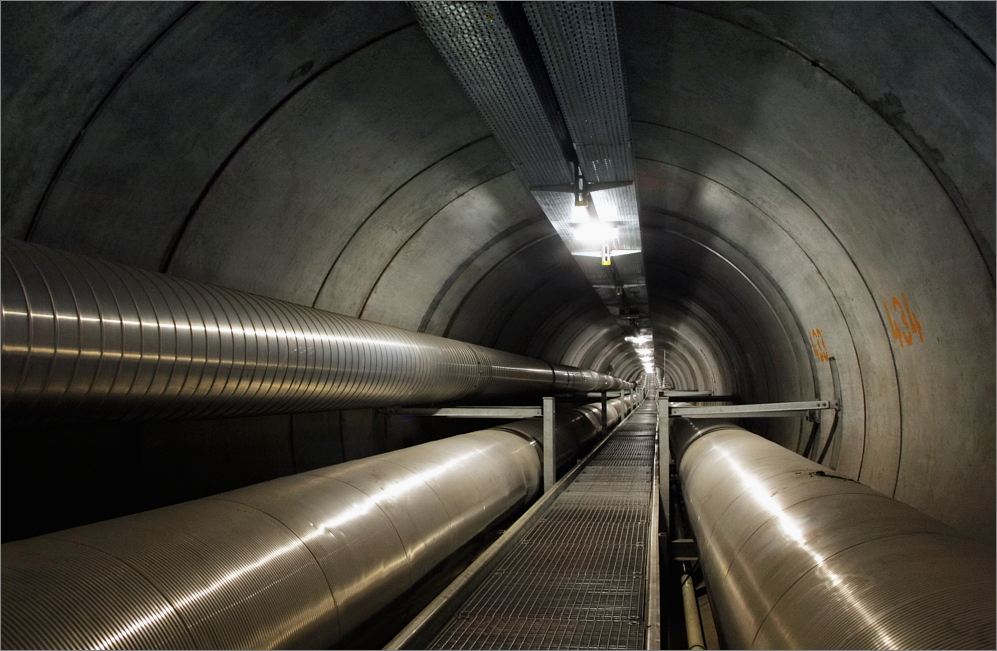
<point>697,396</point>
<point>550,454</point>
<point>680,393</point>
<point>665,461</point>
<point>652,618</point>
<point>472,412</point>
<point>765,410</point>
<point>610,394</point>
<point>603,413</point>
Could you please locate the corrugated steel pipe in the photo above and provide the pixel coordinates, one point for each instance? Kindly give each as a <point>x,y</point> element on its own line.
<point>88,338</point>
<point>296,562</point>
<point>796,557</point>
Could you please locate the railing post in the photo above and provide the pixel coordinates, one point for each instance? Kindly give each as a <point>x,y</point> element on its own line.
<point>664,458</point>
<point>604,413</point>
<point>550,455</point>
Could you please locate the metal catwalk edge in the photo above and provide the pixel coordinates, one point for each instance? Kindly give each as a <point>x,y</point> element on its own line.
<point>576,579</point>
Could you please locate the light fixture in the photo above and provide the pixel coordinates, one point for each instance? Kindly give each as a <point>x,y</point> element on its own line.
<point>594,231</point>
<point>580,212</point>
<point>612,252</point>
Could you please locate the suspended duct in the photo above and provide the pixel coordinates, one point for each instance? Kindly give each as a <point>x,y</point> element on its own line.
<point>88,338</point>
<point>547,78</point>
<point>296,562</point>
<point>796,557</point>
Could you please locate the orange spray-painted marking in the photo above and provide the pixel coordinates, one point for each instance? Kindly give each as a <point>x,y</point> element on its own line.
<point>818,345</point>
<point>904,324</point>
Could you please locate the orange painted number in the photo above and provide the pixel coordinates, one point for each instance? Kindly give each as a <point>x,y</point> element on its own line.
<point>818,345</point>
<point>915,325</point>
<point>911,326</point>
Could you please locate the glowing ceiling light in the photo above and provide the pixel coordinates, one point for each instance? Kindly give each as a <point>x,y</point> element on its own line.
<point>596,232</point>
<point>612,252</point>
<point>580,213</point>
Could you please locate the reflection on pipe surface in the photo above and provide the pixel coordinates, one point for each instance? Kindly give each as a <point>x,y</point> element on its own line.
<point>85,338</point>
<point>296,562</point>
<point>796,557</point>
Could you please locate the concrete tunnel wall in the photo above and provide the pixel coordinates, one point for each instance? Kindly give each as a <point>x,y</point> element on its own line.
<point>799,166</point>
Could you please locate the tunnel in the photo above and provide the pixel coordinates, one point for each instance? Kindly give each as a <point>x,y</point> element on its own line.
<point>813,191</point>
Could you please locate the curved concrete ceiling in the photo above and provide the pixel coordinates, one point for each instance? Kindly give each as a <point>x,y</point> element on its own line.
<point>799,166</point>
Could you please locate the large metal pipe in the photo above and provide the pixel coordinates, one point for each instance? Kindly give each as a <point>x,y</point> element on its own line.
<point>296,562</point>
<point>796,557</point>
<point>88,338</point>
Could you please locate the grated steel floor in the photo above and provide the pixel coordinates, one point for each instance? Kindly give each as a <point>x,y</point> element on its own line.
<point>576,580</point>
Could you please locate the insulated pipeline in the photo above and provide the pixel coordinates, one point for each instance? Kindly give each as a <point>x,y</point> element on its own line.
<point>296,562</point>
<point>88,338</point>
<point>796,557</point>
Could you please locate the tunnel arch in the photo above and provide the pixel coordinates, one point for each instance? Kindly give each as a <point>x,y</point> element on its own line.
<point>798,167</point>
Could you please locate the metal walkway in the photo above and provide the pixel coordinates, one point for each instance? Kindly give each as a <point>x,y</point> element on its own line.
<point>577,578</point>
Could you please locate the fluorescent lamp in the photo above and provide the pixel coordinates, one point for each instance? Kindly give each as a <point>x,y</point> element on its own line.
<point>595,232</point>
<point>580,213</point>
<point>613,252</point>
